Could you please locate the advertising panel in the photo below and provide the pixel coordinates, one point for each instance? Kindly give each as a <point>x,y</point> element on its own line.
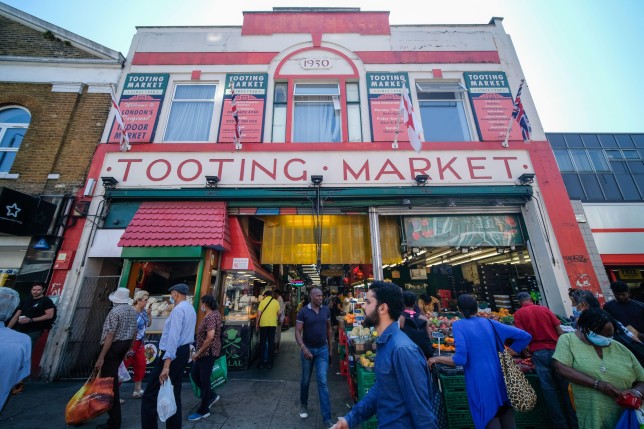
<point>250,99</point>
<point>384,91</point>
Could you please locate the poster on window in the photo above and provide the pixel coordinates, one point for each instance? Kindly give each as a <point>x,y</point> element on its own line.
<point>492,102</point>
<point>455,231</point>
<point>384,90</point>
<point>140,105</point>
<point>250,100</point>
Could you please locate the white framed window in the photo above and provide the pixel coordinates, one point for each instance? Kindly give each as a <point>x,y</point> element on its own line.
<point>280,101</point>
<point>354,121</point>
<point>191,113</point>
<point>442,111</point>
<point>316,113</point>
<point>14,121</point>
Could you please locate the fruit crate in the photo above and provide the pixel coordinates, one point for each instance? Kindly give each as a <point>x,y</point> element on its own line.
<point>366,379</point>
<point>342,351</point>
<point>460,420</point>
<point>452,383</point>
<point>456,401</point>
<point>372,423</point>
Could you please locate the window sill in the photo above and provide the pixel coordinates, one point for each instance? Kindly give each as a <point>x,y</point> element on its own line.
<point>9,176</point>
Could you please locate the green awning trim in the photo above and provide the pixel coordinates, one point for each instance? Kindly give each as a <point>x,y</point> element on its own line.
<point>170,252</point>
<point>333,197</point>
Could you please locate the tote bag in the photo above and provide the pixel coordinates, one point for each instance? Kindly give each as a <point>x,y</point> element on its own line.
<point>93,399</point>
<point>522,396</point>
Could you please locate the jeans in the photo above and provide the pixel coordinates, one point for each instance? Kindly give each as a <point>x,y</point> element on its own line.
<point>200,373</point>
<point>321,361</point>
<point>149,415</point>
<point>266,344</point>
<point>111,363</point>
<point>555,391</point>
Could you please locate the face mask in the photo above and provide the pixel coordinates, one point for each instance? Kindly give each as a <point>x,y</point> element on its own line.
<point>575,313</point>
<point>203,308</point>
<point>598,340</point>
<point>171,299</point>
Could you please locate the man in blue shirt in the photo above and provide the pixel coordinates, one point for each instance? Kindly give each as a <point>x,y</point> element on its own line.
<point>178,334</point>
<point>15,359</point>
<point>402,393</point>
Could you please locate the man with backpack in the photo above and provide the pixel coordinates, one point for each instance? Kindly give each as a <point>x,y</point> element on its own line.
<point>35,314</point>
<point>414,325</point>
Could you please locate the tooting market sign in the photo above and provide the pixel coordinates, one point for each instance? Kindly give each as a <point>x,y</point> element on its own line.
<point>295,168</point>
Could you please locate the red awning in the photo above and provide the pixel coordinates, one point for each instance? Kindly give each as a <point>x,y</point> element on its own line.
<point>179,223</point>
<point>241,256</point>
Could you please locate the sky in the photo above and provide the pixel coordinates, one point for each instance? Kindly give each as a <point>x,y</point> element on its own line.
<point>579,57</point>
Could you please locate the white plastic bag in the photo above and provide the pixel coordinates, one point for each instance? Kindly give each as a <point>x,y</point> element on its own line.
<point>166,405</point>
<point>124,375</point>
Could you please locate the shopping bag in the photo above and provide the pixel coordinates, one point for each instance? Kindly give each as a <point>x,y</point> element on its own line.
<point>166,404</point>
<point>124,375</point>
<point>93,399</point>
<point>628,420</point>
<point>219,374</point>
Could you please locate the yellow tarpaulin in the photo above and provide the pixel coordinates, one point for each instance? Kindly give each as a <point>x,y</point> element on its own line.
<point>290,239</point>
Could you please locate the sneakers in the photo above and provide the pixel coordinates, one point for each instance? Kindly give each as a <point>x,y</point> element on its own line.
<point>215,399</point>
<point>196,416</point>
<point>303,412</point>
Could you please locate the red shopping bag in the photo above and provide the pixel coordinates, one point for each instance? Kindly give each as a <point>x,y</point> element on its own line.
<point>93,399</point>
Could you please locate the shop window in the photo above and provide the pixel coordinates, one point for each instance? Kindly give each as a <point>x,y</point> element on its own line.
<point>582,163</point>
<point>316,113</point>
<point>353,112</point>
<point>592,188</point>
<point>191,113</point>
<point>609,185</point>
<point>598,159</point>
<point>14,122</point>
<point>442,112</point>
<point>563,160</point>
<point>280,99</point>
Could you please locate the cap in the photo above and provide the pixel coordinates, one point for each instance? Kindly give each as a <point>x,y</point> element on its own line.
<point>182,288</point>
<point>120,296</point>
<point>521,296</point>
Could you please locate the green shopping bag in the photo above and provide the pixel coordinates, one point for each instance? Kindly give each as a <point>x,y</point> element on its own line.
<point>218,376</point>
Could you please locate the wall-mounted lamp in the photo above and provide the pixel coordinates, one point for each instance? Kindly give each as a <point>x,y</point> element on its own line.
<point>526,178</point>
<point>109,182</point>
<point>421,179</point>
<point>406,202</point>
<point>451,202</point>
<point>498,203</point>
<point>317,179</point>
<point>211,181</point>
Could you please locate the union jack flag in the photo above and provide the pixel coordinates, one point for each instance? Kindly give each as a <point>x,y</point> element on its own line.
<point>125,141</point>
<point>411,121</point>
<point>519,114</point>
<point>233,106</point>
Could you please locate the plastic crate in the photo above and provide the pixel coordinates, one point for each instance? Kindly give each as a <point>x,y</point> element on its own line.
<point>452,383</point>
<point>372,423</point>
<point>456,400</point>
<point>342,351</point>
<point>460,420</point>
<point>344,367</point>
<point>365,378</point>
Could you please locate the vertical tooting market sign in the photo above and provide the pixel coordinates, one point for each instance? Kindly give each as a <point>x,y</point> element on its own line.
<point>384,90</point>
<point>492,101</point>
<point>140,106</point>
<point>250,97</point>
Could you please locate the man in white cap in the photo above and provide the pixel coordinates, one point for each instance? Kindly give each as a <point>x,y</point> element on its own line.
<point>15,359</point>
<point>174,345</point>
<point>119,333</point>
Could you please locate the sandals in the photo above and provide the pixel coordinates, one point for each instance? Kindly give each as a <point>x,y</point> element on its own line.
<point>137,395</point>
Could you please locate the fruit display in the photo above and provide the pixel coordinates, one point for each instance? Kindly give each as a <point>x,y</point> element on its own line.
<point>503,316</point>
<point>349,318</point>
<point>442,324</point>
<point>367,360</point>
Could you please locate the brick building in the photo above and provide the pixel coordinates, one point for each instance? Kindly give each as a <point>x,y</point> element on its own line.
<point>54,100</point>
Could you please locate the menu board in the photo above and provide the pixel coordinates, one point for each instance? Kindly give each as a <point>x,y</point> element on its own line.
<point>492,102</point>
<point>250,99</point>
<point>384,91</point>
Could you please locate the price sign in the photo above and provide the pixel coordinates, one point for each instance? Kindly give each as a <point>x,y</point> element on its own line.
<point>438,335</point>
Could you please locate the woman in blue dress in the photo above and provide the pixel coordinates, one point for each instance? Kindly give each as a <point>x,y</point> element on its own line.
<point>476,351</point>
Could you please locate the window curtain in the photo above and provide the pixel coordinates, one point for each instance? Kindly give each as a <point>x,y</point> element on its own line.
<point>191,120</point>
<point>316,122</point>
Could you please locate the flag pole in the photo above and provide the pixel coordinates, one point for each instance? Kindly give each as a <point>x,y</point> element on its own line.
<point>507,134</point>
<point>394,145</point>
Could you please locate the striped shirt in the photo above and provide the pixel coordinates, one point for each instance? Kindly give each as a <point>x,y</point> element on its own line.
<point>121,321</point>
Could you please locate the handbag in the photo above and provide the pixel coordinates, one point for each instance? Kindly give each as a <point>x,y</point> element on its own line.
<point>93,399</point>
<point>124,374</point>
<point>522,396</point>
<point>218,376</point>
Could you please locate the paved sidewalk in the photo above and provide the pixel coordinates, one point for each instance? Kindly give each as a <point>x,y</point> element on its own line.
<point>251,399</point>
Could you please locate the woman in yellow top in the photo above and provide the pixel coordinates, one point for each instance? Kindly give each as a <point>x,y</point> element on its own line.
<point>268,313</point>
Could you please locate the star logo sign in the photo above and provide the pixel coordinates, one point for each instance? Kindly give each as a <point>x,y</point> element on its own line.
<point>13,210</point>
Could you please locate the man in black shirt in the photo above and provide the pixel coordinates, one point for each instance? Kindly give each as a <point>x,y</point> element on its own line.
<point>626,310</point>
<point>35,314</point>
